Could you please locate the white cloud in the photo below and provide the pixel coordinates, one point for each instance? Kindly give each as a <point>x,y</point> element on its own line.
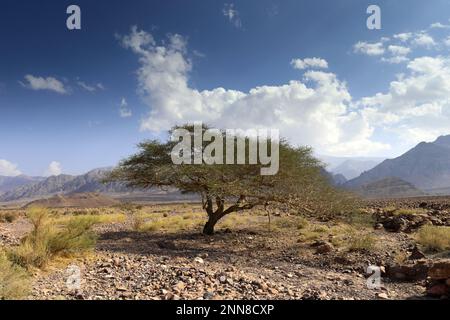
<point>124,110</point>
<point>423,39</point>
<point>403,36</point>
<point>318,114</point>
<point>447,41</point>
<point>90,88</point>
<point>398,54</point>
<point>417,105</point>
<point>87,87</point>
<point>438,25</point>
<point>54,169</point>
<point>309,63</point>
<point>395,59</point>
<point>399,50</point>
<point>8,169</point>
<point>40,83</point>
<point>370,49</point>
<point>232,15</point>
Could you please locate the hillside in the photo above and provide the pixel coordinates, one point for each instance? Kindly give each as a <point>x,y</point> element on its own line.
<point>76,200</point>
<point>64,184</point>
<point>11,183</point>
<point>389,188</point>
<point>427,166</point>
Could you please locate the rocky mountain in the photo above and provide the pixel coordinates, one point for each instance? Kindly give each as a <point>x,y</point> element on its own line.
<point>426,166</point>
<point>389,188</point>
<point>10,183</point>
<point>64,184</point>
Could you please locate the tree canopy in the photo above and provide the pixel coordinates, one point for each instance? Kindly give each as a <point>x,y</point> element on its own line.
<point>226,188</point>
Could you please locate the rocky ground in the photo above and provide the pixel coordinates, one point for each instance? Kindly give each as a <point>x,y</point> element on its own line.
<point>241,263</point>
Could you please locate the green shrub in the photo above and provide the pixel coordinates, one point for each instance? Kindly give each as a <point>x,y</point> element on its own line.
<point>14,280</point>
<point>48,239</point>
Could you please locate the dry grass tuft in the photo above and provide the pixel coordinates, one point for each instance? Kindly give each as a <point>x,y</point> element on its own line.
<point>434,238</point>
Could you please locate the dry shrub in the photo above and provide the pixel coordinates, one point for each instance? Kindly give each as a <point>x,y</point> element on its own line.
<point>434,238</point>
<point>7,217</point>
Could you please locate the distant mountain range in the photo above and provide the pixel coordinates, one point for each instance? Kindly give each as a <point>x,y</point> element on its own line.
<point>18,188</point>
<point>426,167</point>
<point>350,168</point>
<point>10,183</point>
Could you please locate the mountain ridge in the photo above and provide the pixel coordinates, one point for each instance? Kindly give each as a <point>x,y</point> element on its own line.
<point>426,166</point>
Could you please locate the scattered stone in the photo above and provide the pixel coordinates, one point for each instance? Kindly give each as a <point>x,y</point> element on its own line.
<point>416,254</point>
<point>179,287</point>
<point>199,260</point>
<point>382,296</point>
<point>209,295</point>
<point>324,248</point>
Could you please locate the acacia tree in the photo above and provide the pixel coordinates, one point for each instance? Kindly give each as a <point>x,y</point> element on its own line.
<point>230,188</point>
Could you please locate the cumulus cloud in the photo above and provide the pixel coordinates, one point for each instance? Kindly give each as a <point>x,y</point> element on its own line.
<point>54,169</point>
<point>398,54</point>
<point>124,110</point>
<point>399,50</point>
<point>232,15</point>
<point>313,111</point>
<point>423,39</point>
<point>438,25</point>
<point>395,59</point>
<point>8,169</point>
<point>309,63</point>
<point>370,49</point>
<point>41,83</point>
<point>447,41</point>
<point>417,105</point>
<point>403,36</point>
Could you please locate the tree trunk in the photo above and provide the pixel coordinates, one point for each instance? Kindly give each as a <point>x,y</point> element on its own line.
<point>208,229</point>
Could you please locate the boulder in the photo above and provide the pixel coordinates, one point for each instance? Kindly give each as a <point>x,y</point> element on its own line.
<point>440,270</point>
<point>408,272</point>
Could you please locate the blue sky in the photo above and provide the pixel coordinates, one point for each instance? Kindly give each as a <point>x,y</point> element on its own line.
<point>83,99</point>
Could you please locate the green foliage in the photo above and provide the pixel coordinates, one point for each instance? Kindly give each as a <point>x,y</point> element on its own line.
<point>14,280</point>
<point>300,182</point>
<point>48,239</point>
